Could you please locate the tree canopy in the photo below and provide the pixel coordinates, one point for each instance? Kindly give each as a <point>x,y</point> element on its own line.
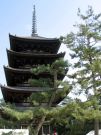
<point>86,54</point>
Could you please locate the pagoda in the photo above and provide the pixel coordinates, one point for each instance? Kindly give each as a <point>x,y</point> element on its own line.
<point>24,54</point>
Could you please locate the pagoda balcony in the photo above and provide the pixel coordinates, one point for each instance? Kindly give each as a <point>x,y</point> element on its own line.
<point>21,76</point>
<point>36,52</point>
<point>18,59</point>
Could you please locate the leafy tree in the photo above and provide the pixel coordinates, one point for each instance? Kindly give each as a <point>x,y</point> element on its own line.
<point>50,93</point>
<point>58,67</point>
<point>85,51</point>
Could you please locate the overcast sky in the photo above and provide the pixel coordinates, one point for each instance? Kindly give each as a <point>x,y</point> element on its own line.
<point>54,18</point>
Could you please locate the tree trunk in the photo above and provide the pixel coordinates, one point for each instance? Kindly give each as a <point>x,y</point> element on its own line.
<point>96,127</point>
<point>38,127</point>
<point>96,121</point>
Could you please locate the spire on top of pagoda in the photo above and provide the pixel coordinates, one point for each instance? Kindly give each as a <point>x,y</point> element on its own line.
<point>34,27</point>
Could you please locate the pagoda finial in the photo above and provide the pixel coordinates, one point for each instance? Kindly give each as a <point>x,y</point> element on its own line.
<point>34,27</point>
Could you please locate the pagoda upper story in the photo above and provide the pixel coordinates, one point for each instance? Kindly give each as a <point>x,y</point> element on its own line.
<point>34,44</point>
<point>24,54</point>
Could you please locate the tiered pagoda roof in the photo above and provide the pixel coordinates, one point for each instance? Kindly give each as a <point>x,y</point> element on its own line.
<point>24,54</point>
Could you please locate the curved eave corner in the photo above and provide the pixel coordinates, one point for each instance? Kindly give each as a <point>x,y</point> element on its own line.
<point>39,38</point>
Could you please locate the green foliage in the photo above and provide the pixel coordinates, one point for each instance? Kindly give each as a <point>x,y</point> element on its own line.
<point>86,53</point>
<point>8,123</point>
<point>50,92</point>
<point>40,97</point>
<point>42,82</point>
<point>18,114</point>
<point>41,69</point>
<point>59,66</point>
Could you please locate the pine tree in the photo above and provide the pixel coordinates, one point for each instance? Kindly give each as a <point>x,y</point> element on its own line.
<point>50,93</point>
<point>85,51</point>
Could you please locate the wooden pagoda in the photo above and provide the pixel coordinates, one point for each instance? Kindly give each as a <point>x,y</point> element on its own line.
<point>24,54</point>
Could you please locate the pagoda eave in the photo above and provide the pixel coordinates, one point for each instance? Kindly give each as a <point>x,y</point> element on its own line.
<point>19,92</point>
<point>11,52</point>
<point>18,59</point>
<point>16,94</point>
<point>36,41</point>
<point>25,74</point>
<point>16,70</point>
<point>33,38</point>
<point>24,89</point>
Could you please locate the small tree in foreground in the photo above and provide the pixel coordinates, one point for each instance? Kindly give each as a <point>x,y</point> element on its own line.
<point>49,94</point>
<point>86,54</point>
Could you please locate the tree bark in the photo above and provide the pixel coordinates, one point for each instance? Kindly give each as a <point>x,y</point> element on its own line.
<point>39,125</point>
<point>96,127</point>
